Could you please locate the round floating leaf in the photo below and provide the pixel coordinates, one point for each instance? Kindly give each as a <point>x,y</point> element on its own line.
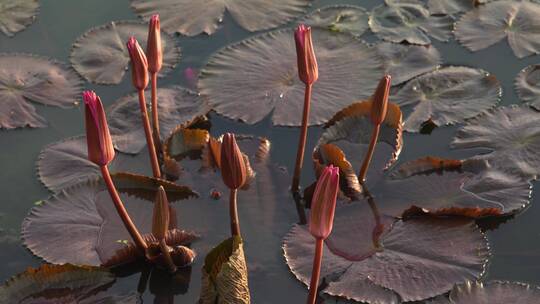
<point>260,73</point>
<point>490,23</point>
<point>27,78</point>
<point>176,106</point>
<point>528,85</point>
<point>15,16</point>
<point>450,7</point>
<point>52,284</point>
<point>511,134</point>
<point>410,21</point>
<point>79,225</point>
<point>447,96</point>
<point>195,17</point>
<point>404,62</point>
<point>339,18</point>
<point>100,55</point>
<point>493,292</point>
<point>412,260</point>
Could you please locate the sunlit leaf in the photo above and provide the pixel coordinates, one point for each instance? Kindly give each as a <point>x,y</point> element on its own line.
<point>15,16</point>
<point>528,85</point>
<point>195,17</point>
<point>490,23</point>
<point>493,292</point>
<point>260,73</point>
<point>26,78</point>
<point>447,96</point>
<point>100,55</point>
<point>339,18</point>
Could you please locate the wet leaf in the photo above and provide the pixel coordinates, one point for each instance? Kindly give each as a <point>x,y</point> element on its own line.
<point>388,263</point>
<point>195,17</point>
<point>146,188</point>
<point>176,106</point>
<point>490,23</point>
<point>493,292</point>
<point>510,134</point>
<point>15,16</point>
<point>52,284</point>
<point>261,73</point>
<point>79,225</point>
<point>450,7</point>
<point>339,18</point>
<point>410,21</point>
<point>26,78</point>
<point>100,55</point>
<point>528,85</point>
<point>184,142</point>
<point>225,278</point>
<point>404,62</point>
<point>447,96</point>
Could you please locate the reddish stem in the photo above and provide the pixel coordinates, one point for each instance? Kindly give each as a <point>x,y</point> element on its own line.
<point>167,256</point>
<point>369,155</point>
<point>155,113</point>
<point>233,213</point>
<point>149,137</point>
<point>316,272</point>
<point>122,212</point>
<point>302,141</point>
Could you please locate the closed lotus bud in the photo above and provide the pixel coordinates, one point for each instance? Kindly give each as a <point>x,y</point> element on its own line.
<point>308,71</point>
<point>161,217</point>
<point>98,138</point>
<point>139,64</point>
<point>323,203</point>
<point>153,46</point>
<point>233,166</point>
<point>380,100</point>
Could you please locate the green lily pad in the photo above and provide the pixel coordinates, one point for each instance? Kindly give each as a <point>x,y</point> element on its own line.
<point>339,18</point>
<point>528,85</point>
<point>15,16</point>
<point>493,292</point>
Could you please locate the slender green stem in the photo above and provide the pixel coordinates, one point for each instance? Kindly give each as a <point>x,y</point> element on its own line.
<point>233,213</point>
<point>316,272</point>
<point>165,250</point>
<point>149,137</point>
<point>155,114</point>
<point>302,141</point>
<point>369,154</point>
<point>122,212</point>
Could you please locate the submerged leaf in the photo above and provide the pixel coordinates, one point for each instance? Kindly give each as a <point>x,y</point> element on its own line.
<point>28,78</point>
<point>15,16</point>
<point>261,73</point>
<point>528,85</point>
<point>410,21</point>
<point>490,23</point>
<point>195,17</point>
<point>339,18</point>
<point>100,55</point>
<point>146,187</point>
<point>493,292</point>
<point>447,96</point>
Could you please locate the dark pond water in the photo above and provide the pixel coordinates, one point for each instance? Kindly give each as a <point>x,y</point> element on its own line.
<point>515,245</point>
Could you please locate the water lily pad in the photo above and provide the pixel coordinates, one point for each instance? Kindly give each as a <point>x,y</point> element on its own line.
<point>339,18</point>
<point>52,284</point>
<point>176,106</point>
<point>490,23</point>
<point>404,261</point>
<point>404,62</point>
<point>79,225</point>
<point>510,134</point>
<point>410,21</point>
<point>493,292</point>
<point>447,96</point>
<point>100,55</point>
<point>261,73</point>
<point>15,16</point>
<point>194,17</point>
<point>528,85</point>
<point>27,78</point>
<point>450,7</point>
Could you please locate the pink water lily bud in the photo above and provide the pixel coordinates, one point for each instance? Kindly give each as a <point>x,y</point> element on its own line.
<point>98,138</point>
<point>308,70</point>
<point>233,166</point>
<point>380,100</point>
<point>139,64</point>
<point>323,203</point>
<point>153,46</point>
<point>161,216</point>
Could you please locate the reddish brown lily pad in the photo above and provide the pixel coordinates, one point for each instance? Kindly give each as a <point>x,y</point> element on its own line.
<point>493,292</point>
<point>260,73</point>
<point>194,17</point>
<point>15,16</point>
<point>406,261</point>
<point>53,284</point>
<point>100,55</point>
<point>176,106</point>
<point>528,85</point>
<point>339,18</point>
<point>28,78</point>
